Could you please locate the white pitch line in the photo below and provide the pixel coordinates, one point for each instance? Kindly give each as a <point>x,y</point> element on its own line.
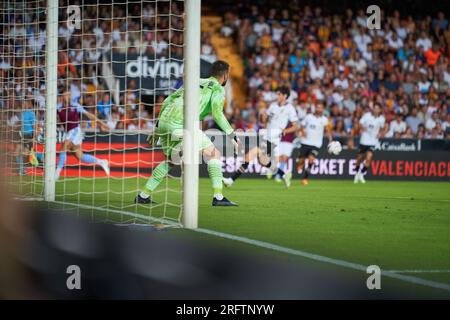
<point>127,213</point>
<point>408,198</point>
<point>271,246</point>
<point>320,258</point>
<point>421,271</point>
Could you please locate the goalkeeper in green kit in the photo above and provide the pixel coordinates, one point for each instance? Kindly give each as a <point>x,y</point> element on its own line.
<point>169,131</point>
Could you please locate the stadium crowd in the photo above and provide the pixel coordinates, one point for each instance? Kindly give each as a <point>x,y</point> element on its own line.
<point>337,60</point>
<point>139,28</point>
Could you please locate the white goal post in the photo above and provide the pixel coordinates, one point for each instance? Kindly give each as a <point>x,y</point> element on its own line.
<point>191,112</point>
<point>51,98</point>
<point>103,62</point>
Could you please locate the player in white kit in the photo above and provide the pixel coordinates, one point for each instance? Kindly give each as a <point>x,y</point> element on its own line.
<point>280,114</point>
<point>311,137</point>
<point>284,152</point>
<point>372,127</point>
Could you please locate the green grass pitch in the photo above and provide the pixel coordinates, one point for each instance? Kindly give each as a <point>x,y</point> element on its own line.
<point>396,225</point>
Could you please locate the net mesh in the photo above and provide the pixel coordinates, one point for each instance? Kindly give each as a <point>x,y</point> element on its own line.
<point>117,60</point>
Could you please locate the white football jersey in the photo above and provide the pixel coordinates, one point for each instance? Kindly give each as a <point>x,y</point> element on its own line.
<point>372,126</point>
<point>279,118</point>
<point>301,113</point>
<point>314,128</point>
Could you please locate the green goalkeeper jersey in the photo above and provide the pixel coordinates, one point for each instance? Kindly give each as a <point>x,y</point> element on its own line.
<point>212,98</point>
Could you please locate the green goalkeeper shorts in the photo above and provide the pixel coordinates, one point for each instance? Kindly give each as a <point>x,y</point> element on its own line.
<point>170,138</point>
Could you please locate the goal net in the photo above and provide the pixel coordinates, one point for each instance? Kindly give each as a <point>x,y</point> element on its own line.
<point>115,60</point>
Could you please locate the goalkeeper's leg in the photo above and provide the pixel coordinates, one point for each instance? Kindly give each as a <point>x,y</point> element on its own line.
<point>161,170</point>
<point>212,155</point>
<point>158,175</point>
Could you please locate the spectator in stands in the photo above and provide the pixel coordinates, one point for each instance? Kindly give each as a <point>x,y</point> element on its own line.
<point>113,118</point>
<point>261,27</point>
<point>432,55</point>
<point>321,56</point>
<point>104,106</point>
<point>339,130</point>
<point>144,118</point>
<point>207,51</point>
<point>431,122</point>
<point>398,127</point>
<point>413,121</point>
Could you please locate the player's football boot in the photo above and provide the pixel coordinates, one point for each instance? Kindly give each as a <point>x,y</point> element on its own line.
<point>141,200</point>
<point>228,182</point>
<point>304,182</point>
<point>356,178</point>
<point>361,178</point>
<point>287,179</point>
<point>269,174</point>
<point>57,173</point>
<point>277,178</point>
<point>33,159</point>
<point>105,166</point>
<point>224,202</point>
<point>299,168</point>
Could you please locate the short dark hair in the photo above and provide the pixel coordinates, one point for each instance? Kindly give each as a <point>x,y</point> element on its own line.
<point>219,68</point>
<point>284,90</point>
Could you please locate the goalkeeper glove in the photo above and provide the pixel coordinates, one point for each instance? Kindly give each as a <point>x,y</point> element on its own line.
<point>152,138</point>
<point>236,143</point>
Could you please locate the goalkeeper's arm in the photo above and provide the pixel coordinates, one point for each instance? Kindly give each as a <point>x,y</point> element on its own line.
<point>217,101</point>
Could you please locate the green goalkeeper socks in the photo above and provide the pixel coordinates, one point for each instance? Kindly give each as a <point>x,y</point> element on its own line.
<point>161,171</point>
<point>215,174</point>
<point>158,175</point>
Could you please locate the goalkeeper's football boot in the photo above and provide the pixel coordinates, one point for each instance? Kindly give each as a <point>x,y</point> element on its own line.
<point>141,200</point>
<point>224,202</point>
<point>304,182</point>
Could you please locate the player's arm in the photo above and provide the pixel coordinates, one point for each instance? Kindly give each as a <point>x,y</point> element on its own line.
<point>293,119</point>
<point>383,131</point>
<point>293,128</point>
<point>17,127</point>
<point>302,131</point>
<point>92,117</point>
<point>329,132</point>
<point>35,127</point>
<point>265,115</point>
<point>362,125</point>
